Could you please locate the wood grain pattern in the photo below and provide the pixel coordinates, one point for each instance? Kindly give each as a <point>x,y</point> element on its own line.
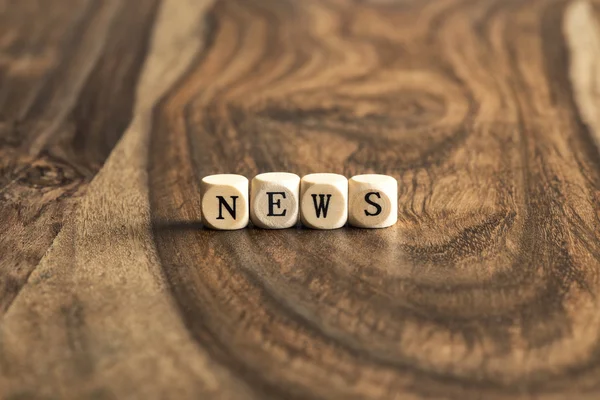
<point>64,103</point>
<point>485,111</point>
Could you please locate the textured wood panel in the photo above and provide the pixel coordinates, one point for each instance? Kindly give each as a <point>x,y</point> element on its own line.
<point>68,72</point>
<point>485,111</point>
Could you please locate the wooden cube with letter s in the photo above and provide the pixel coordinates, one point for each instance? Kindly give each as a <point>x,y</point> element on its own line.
<point>373,201</point>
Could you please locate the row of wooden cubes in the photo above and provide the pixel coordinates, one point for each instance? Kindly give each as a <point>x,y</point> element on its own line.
<point>277,200</point>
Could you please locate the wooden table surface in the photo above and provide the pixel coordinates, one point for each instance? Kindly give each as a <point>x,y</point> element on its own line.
<point>487,113</point>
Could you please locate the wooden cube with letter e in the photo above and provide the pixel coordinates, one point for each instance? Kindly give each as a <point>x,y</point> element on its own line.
<point>274,200</point>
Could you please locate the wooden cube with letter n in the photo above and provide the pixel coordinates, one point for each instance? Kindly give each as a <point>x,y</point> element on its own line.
<point>225,201</point>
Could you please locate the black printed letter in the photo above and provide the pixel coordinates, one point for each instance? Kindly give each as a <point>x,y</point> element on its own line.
<point>275,203</point>
<point>222,203</point>
<point>320,207</point>
<point>371,202</point>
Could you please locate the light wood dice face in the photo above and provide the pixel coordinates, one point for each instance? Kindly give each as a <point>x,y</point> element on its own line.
<point>225,201</point>
<point>274,200</point>
<point>373,201</point>
<point>324,201</point>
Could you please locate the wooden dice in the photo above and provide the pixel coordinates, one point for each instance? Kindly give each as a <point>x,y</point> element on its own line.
<point>373,201</point>
<point>324,201</point>
<point>225,201</point>
<point>274,200</point>
<point>278,199</point>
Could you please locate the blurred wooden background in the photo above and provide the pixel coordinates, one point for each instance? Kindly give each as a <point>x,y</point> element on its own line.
<point>486,111</point>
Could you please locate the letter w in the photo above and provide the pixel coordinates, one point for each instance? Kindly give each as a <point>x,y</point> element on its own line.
<point>322,206</point>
